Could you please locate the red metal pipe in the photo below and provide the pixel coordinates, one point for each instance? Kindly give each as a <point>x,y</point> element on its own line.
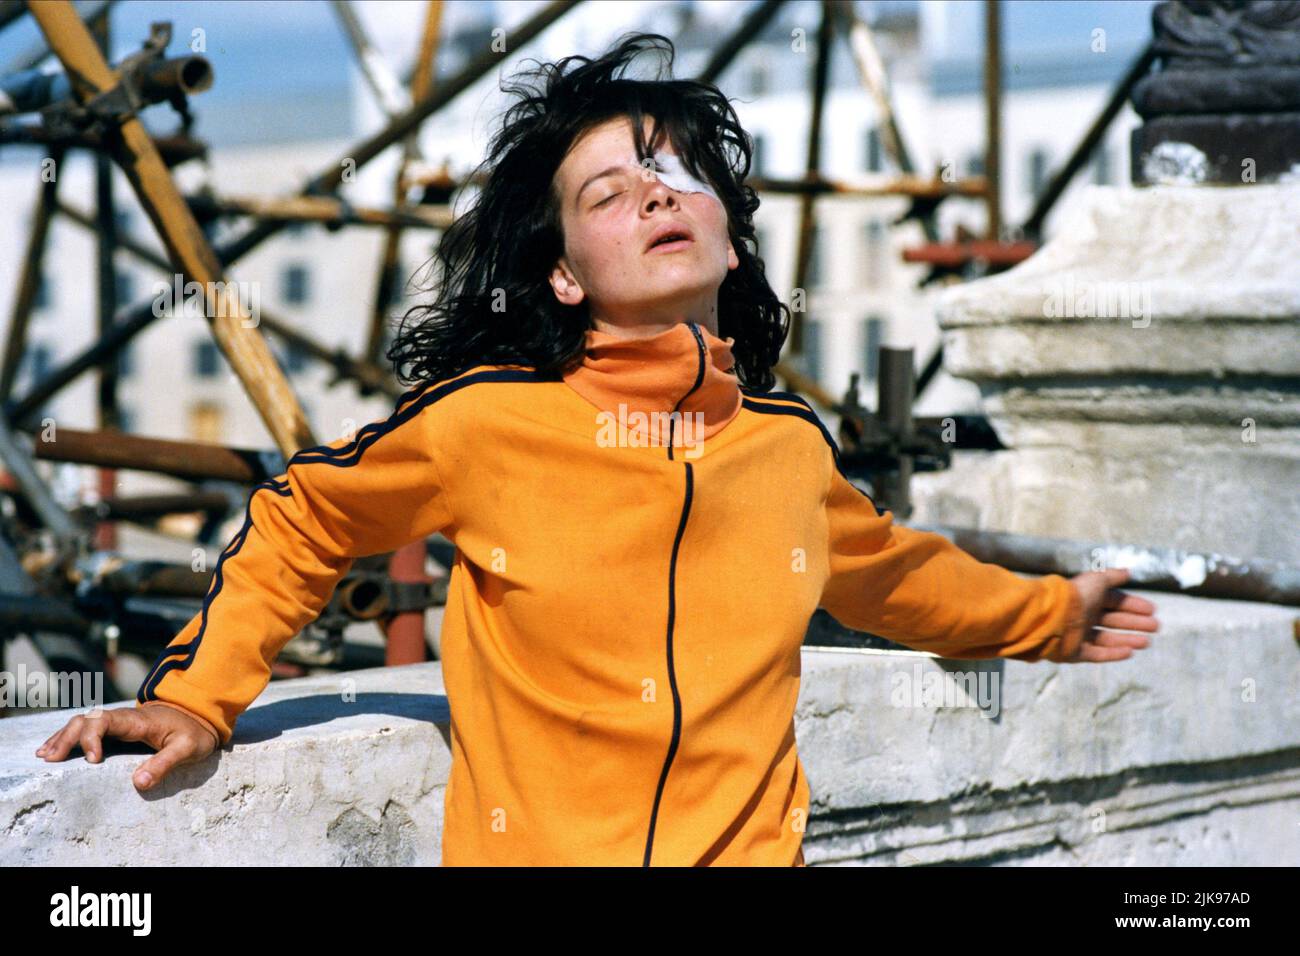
<point>405,631</point>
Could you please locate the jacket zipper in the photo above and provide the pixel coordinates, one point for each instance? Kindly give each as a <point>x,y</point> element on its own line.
<point>672,601</point>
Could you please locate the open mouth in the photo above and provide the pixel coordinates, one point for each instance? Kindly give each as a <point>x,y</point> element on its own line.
<point>670,242</point>
<point>669,236</point>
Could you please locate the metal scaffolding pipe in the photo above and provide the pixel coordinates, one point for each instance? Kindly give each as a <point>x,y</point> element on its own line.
<point>383,82</point>
<point>896,387</point>
<point>1139,68</point>
<point>110,415</point>
<point>20,612</point>
<point>190,461</point>
<point>1201,574</point>
<point>812,170</point>
<point>31,90</point>
<point>243,345</point>
<point>142,315</point>
<point>149,507</point>
<point>993,115</point>
<point>30,277</point>
<point>759,17</point>
<point>915,187</point>
<point>323,209</point>
<point>409,121</point>
<point>154,579</point>
<point>173,149</point>
<point>389,258</point>
<point>19,464</point>
<point>369,377</point>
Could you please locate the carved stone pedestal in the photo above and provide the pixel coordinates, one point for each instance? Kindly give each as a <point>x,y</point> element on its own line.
<point>1144,369</point>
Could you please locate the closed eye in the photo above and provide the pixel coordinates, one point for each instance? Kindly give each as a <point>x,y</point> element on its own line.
<point>607,199</point>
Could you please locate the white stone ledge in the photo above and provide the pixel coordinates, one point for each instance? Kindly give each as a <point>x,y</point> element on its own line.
<point>1100,486</point>
<point>1200,253</point>
<point>1183,769</point>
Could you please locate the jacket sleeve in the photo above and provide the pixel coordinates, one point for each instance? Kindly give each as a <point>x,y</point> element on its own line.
<point>919,589</point>
<point>302,530</point>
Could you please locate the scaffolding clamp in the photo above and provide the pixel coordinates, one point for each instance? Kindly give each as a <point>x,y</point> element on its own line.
<point>109,109</point>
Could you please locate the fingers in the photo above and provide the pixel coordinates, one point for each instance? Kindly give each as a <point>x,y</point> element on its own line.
<point>88,732</point>
<point>180,748</point>
<point>1123,601</point>
<point>60,745</point>
<point>45,748</point>
<point>1115,576</point>
<point>1092,653</point>
<point>1106,646</point>
<point>91,740</point>
<point>174,746</point>
<point>1120,639</point>
<point>1130,622</point>
<point>1103,646</point>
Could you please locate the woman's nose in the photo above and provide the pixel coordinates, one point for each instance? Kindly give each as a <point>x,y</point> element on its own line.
<point>661,193</point>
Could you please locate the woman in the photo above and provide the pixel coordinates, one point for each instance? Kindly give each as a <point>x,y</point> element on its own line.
<point>642,527</point>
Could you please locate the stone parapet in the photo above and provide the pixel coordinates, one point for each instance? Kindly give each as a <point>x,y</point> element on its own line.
<point>1187,754</point>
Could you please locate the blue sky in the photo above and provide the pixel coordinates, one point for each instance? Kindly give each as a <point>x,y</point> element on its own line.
<point>298,43</point>
<point>283,68</point>
<point>248,42</point>
<point>1037,26</point>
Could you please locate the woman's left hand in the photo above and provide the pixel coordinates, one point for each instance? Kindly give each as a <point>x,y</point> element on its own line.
<point>1103,607</point>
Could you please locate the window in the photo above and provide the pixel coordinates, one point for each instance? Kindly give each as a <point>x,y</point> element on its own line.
<point>123,286</point>
<point>122,223</point>
<point>397,288</point>
<point>294,287</point>
<point>810,360</point>
<point>38,360</point>
<point>814,276</point>
<point>207,360</point>
<point>1038,160</point>
<point>975,164</point>
<point>875,252</point>
<point>874,157</point>
<point>1101,172</point>
<point>125,418</point>
<point>295,228</point>
<point>760,240</point>
<point>292,358</point>
<point>206,422</point>
<point>873,330</point>
<point>758,167</point>
<point>758,79</point>
<point>42,299</point>
<point>126,360</point>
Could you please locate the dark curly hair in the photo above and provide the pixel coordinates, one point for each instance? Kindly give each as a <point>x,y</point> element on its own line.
<point>509,240</point>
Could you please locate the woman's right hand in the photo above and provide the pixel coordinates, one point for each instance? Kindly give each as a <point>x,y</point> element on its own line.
<point>178,736</point>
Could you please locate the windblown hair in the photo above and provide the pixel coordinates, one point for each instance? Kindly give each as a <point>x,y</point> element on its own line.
<point>501,250</point>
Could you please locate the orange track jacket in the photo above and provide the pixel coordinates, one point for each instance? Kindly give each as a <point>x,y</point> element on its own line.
<point>631,590</point>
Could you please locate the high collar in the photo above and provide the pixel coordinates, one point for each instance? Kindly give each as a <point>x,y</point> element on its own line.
<point>685,368</point>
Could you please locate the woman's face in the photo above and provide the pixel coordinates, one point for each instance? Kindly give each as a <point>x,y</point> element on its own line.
<point>611,207</point>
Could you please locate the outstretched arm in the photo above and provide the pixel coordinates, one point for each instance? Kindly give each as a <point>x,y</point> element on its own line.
<point>921,590</point>
<point>301,532</point>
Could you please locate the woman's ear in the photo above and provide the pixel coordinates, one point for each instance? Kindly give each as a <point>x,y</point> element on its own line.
<point>565,286</point>
<point>733,260</point>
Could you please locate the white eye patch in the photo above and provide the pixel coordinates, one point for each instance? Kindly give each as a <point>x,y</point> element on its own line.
<point>674,174</point>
